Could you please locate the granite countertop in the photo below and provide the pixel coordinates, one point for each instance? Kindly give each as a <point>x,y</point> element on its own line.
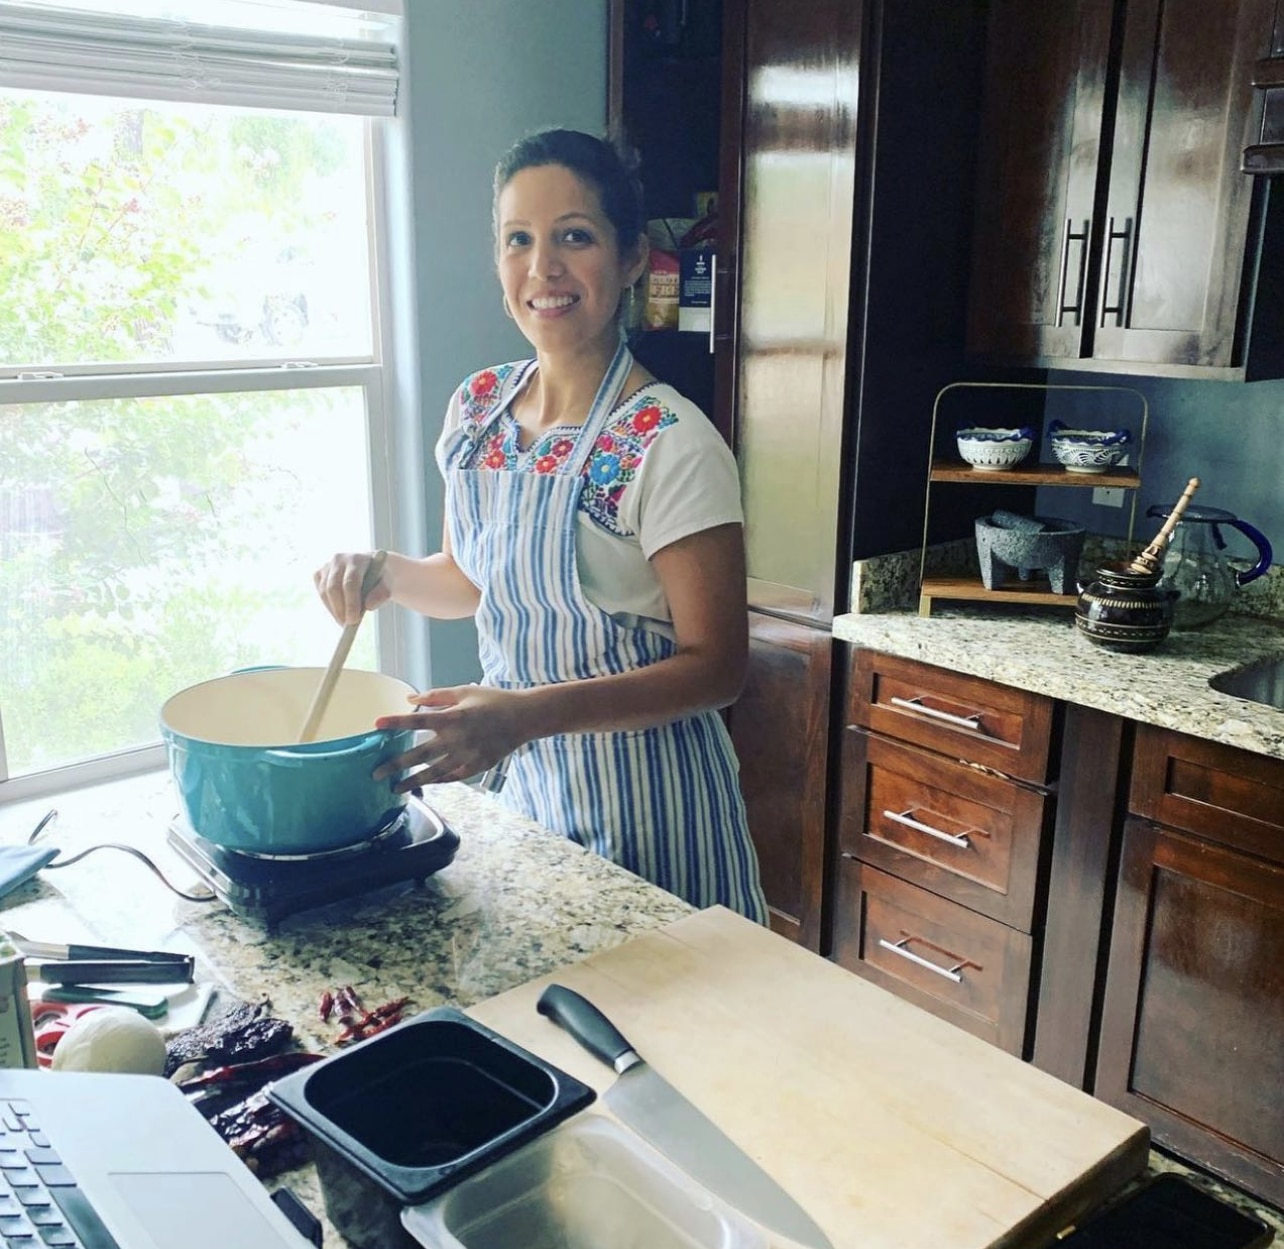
<point>1041,650</point>
<point>517,902</point>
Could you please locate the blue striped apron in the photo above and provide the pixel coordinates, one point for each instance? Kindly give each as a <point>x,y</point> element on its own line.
<point>663,802</point>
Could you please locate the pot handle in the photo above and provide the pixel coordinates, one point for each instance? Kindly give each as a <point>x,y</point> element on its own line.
<point>292,756</point>
<point>1264,553</point>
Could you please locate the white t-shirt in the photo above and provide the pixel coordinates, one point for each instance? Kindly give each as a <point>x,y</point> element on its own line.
<point>660,473</point>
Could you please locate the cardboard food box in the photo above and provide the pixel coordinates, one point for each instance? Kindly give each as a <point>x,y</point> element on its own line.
<point>663,277</point>
<point>662,284</point>
<point>17,1040</point>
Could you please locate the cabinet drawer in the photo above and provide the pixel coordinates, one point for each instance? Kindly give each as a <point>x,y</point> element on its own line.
<point>964,967</point>
<point>967,835</point>
<point>1227,795</point>
<point>964,717</point>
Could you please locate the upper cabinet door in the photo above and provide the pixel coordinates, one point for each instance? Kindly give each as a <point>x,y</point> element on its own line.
<point>1115,230</point>
<point>1175,237</point>
<point>1040,147</point>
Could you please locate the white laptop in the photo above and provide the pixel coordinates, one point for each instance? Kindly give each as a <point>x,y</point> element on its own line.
<point>125,1163</point>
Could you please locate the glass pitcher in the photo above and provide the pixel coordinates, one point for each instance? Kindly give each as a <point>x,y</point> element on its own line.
<point>1195,564</point>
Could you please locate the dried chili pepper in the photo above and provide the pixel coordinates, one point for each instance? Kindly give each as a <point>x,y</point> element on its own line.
<point>259,1069</point>
<point>326,1007</point>
<point>368,1023</point>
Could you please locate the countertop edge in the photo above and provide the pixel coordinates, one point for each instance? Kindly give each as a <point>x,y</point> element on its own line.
<point>1044,654</point>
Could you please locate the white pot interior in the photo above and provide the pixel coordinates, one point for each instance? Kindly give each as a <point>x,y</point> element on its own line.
<point>269,707</point>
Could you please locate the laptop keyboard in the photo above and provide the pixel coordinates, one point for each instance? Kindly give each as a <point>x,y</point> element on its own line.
<point>40,1203</point>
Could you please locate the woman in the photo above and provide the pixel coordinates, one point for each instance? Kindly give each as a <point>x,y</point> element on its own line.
<point>593,528</point>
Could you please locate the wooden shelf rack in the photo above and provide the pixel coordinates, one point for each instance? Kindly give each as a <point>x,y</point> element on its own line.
<point>1036,591</point>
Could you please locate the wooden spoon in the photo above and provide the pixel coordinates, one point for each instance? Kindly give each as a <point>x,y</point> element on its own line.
<point>321,700</point>
<point>1151,559</point>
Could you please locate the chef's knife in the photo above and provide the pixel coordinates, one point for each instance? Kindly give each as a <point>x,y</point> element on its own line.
<point>647,1103</point>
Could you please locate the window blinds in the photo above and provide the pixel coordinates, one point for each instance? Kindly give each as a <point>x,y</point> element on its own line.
<point>46,47</point>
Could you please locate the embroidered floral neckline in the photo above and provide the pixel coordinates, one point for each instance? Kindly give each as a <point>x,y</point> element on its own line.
<point>611,466</point>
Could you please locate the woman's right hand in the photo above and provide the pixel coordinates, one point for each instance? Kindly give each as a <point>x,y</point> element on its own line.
<point>338,582</point>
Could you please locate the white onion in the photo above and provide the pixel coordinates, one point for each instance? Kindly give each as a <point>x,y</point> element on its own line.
<point>111,1038</point>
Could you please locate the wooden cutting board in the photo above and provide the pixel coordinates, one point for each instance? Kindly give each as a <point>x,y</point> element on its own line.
<point>894,1129</point>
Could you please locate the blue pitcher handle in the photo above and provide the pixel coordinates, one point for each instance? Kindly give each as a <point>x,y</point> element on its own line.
<point>1264,553</point>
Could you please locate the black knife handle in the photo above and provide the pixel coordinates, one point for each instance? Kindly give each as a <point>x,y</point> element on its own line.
<point>587,1025</point>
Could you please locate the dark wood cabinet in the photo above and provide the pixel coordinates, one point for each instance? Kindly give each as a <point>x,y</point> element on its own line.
<point>1103,897</point>
<point>1194,998</point>
<point>940,867</point>
<point>1114,229</point>
<point>837,180</point>
<point>780,726</point>
<point>780,102</point>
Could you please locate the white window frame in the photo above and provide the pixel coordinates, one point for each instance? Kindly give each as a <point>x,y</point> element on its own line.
<point>373,374</point>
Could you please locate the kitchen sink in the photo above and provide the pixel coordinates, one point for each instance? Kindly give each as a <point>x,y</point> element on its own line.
<point>1261,682</point>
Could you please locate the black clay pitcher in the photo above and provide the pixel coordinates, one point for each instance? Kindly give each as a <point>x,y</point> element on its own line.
<point>1124,609</point>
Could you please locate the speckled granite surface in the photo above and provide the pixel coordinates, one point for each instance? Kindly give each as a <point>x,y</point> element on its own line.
<point>517,902</point>
<point>1039,649</point>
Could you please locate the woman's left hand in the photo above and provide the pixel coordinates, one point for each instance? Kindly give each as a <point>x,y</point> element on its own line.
<point>471,728</point>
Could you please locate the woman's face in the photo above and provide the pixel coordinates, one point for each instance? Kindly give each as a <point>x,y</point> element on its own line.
<point>559,261</point>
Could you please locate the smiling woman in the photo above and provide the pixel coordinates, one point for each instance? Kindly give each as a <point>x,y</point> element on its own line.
<point>166,260</point>
<point>593,530</point>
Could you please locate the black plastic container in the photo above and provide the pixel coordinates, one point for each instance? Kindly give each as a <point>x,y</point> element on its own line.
<point>399,1118</point>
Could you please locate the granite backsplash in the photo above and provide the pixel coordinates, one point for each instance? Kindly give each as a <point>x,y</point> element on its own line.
<point>885,583</point>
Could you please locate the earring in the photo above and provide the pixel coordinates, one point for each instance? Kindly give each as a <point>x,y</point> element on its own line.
<point>508,312</point>
<point>631,311</point>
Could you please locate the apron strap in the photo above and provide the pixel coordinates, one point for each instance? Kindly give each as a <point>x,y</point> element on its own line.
<point>608,395</point>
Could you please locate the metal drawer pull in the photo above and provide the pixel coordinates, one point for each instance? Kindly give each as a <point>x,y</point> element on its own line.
<point>903,817</point>
<point>913,704</point>
<point>898,947</point>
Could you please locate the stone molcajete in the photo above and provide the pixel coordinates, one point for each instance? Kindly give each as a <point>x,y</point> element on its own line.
<point>1028,544</point>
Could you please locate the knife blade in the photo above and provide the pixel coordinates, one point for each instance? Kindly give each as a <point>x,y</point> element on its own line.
<point>646,1102</point>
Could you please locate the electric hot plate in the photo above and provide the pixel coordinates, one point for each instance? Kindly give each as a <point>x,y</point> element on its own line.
<point>267,888</point>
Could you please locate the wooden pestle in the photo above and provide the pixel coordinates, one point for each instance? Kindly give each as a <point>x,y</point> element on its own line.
<point>1150,560</point>
<point>321,700</point>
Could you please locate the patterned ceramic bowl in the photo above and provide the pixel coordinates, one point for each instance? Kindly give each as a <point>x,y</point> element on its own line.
<point>1088,450</point>
<point>992,450</point>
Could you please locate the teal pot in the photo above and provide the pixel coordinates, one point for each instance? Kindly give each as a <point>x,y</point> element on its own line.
<point>243,781</point>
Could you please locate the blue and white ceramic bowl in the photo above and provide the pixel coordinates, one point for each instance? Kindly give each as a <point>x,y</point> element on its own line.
<point>1088,450</point>
<point>992,450</point>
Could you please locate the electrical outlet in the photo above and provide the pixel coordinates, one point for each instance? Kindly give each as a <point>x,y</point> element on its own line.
<point>1108,496</point>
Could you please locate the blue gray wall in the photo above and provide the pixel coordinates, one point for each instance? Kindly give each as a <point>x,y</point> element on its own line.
<point>1230,435</point>
<point>478,75</point>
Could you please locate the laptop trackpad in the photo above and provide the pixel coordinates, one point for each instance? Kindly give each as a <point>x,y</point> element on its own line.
<point>199,1210</point>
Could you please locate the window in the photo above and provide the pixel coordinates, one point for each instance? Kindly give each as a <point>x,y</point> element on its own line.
<point>190,386</point>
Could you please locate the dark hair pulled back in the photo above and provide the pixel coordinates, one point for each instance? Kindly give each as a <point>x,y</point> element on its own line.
<point>604,164</point>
